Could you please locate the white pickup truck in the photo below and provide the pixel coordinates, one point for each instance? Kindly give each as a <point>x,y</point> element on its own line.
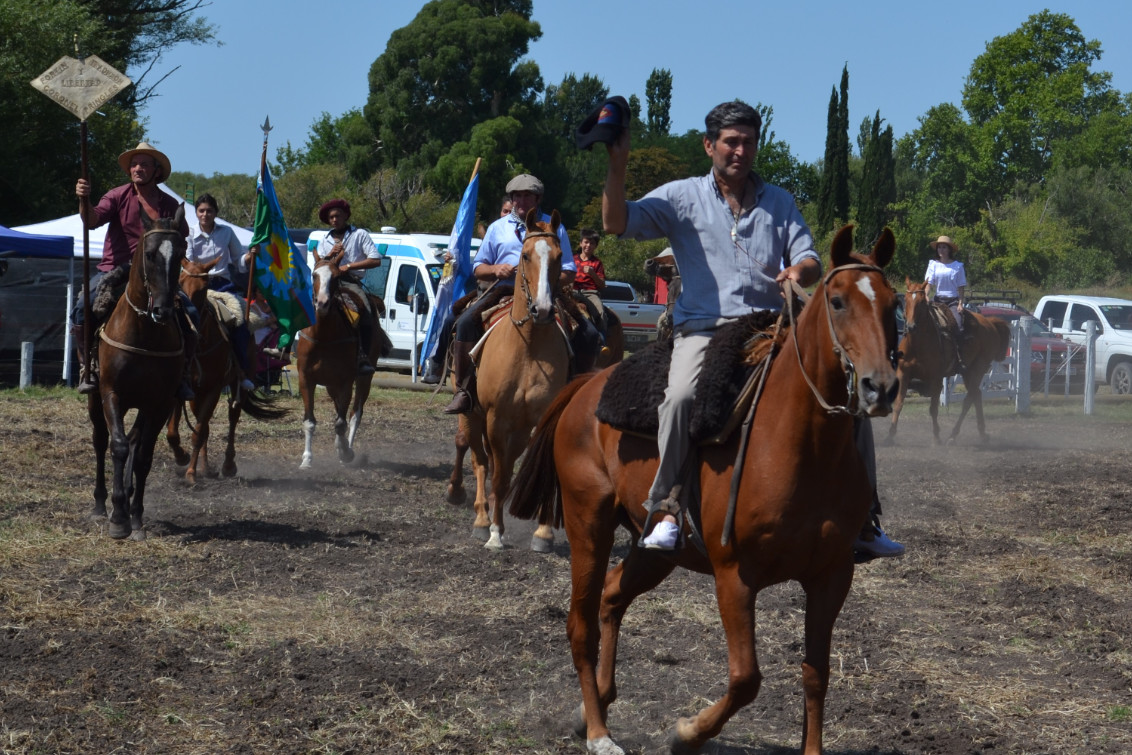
<point>638,321</point>
<point>1114,332</point>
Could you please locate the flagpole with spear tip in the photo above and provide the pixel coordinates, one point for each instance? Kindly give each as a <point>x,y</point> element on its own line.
<point>82,85</point>
<point>251,263</point>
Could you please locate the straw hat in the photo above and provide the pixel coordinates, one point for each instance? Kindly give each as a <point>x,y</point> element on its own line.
<point>945,240</point>
<point>145,149</point>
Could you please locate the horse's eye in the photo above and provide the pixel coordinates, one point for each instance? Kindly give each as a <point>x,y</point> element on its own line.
<point>837,303</point>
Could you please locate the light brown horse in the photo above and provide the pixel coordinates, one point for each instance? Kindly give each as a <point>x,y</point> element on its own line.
<point>523,364</point>
<point>802,498</point>
<point>216,370</point>
<point>141,355</point>
<point>326,354</point>
<point>928,353</point>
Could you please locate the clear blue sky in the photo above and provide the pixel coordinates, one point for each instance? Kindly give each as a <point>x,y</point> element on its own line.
<point>293,59</point>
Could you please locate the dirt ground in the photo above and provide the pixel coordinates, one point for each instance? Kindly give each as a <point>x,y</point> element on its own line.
<point>349,610</point>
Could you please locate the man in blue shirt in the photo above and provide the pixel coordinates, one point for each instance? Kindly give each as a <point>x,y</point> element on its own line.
<point>735,238</point>
<point>495,263</point>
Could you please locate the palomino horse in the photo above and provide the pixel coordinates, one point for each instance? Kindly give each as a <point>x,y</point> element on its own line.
<point>928,356</point>
<point>524,362</point>
<point>327,354</point>
<point>801,499</point>
<point>216,370</point>
<point>141,356</point>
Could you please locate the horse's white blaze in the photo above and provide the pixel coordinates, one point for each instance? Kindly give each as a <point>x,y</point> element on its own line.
<point>542,298</point>
<point>866,287</point>
<point>323,274</point>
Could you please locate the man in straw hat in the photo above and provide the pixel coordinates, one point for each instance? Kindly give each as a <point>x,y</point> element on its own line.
<point>359,254</point>
<point>122,208</point>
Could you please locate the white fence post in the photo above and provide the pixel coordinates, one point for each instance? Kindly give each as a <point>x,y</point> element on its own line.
<point>1090,364</point>
<point>27,356</point>
<point>1022,364</point>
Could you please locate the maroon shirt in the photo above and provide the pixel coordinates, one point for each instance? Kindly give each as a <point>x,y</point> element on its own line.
<point>584,278</point>
<point>121,208</point>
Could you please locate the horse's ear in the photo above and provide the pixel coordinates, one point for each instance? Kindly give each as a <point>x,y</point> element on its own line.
<point>884,248</point>
<point>842,248</point>
<point>147,221</point>
<point>907,283</point>
<point>178,216</point>
<point>531,219</point>
<point>555,220</point>
<point>314,252</point>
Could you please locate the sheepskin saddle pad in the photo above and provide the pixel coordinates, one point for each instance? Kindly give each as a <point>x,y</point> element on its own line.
<point>636,387</point>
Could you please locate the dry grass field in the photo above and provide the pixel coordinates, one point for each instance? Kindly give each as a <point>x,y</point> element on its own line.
<point>348,610</point>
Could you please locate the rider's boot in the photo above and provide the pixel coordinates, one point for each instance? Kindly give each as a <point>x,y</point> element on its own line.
<point>463,377</point>
<point>434,371</point>
<point>88,367</point>
<point>365,338</point>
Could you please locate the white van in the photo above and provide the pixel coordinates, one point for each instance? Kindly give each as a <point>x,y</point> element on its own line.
<point>413,265</point>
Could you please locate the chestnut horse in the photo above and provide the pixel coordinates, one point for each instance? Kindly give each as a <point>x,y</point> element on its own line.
<point>523,364</point>
<point>216,370</point>
<point>141,356</point>
<point>928,353</point>
<point>801,499</point>
<point>326,354</point>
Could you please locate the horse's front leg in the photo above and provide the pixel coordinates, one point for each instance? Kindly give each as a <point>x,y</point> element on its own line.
<point>143,439</point>
<point>120,454</point>
<point>100,439</point>
<point>897,406</point>
<point>456,493</point>
<point>478,446</point>
<point>204,407</point>
<point>737,609</point>
<point>173,436</point>
<point>309,423</point>
<point>974,397</point>
<point>824,600</point>
<point>505,444</point>
<point>341,425</point>
<point>934,388</point>
<point>361,394</point>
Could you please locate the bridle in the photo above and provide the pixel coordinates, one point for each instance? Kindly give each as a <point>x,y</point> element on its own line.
<point>839,349</point>
<point>148,311</point>
<point>531,310</point>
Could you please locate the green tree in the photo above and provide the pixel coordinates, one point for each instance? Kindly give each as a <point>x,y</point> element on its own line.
<point>877,190</point>
<point>456,64</point>
<point>567,104</point>
<point>841,166</point>
<point>658,95</point>
<point>1033,88</point>
<point>827,204</point>
<point>346,140</point>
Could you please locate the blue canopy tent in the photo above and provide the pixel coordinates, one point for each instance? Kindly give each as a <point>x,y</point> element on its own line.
<point>33,294</point>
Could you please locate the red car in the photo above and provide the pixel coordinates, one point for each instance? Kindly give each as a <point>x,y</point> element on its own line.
<point>1042,341</point>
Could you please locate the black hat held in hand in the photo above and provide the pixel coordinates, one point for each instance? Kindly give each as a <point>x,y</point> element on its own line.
<point>604,124</point>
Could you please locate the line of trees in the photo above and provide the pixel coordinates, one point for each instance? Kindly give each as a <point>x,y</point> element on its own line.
<point>1030,172</point>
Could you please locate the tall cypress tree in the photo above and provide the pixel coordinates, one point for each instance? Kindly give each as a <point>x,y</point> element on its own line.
<point>826,207</point>
<point>841,164</point>
<point>878,184</point>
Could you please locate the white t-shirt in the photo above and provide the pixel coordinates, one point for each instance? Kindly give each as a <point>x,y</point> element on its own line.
<point>946,279</point>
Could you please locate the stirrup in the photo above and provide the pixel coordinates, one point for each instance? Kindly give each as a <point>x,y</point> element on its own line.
<point>669,505</point>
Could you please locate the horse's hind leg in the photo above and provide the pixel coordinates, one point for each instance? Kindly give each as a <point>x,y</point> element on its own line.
<point>737,609</point>
<point>474,427</point>
<point>823,604</point>
<point>234,410</point>
<point>342,425</point>
<point>897,406</point>
<point>456,493</point>
<point>173,436</point>
<point>100,439</point>
<point>974,397</point>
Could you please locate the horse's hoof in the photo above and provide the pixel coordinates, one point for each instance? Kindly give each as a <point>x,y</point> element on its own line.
<point>138,535</point>
<point>603,746</point>
<point>494,543</point>
<point>541,544</point>
<point>457,496</point>
<point>481,533</point>
<point>119,531</point>
<point>228,471</point>
<point>678,744</point>
<point>579,723</point>
<point>305,464</point>
<point>96,515</point>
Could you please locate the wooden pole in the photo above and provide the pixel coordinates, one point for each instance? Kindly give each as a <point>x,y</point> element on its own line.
<point>255,249</point>
<point>84,208</point>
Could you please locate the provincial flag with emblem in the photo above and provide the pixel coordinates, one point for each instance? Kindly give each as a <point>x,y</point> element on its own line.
<point>281,271</point>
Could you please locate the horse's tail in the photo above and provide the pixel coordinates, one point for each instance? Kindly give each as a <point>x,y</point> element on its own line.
<point>535,485</point>
<point>1002,335</point>
<point>261,407</point>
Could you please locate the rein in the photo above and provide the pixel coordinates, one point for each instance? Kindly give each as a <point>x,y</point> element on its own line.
<point>838,349</point>
<point>137,350</point>
<point>148,311</point>
<point>526,283</point>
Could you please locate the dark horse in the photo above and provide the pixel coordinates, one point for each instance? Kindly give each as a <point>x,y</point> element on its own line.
<point>929,349</point>
<point>327,354</point>
<point>802,498</point>
<point>141,354</point>
<point>216,370</point>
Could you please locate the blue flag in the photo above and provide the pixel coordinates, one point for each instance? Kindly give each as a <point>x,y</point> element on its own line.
<point>458,271</point>
<point>282,274</point>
